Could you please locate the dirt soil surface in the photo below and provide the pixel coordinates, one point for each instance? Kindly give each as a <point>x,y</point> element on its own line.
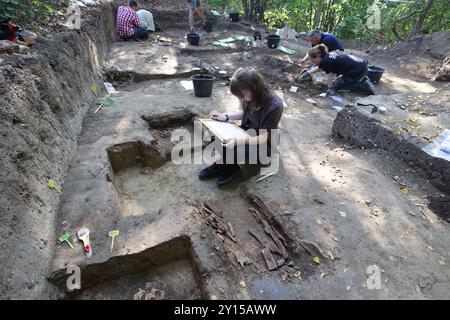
<point>338,210</point>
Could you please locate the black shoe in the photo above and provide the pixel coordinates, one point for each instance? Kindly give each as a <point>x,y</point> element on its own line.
<point>367,86</point>
<point>228,175</point>
<point>209,172</point>
<point>158,28</point>
<point>331,92</point>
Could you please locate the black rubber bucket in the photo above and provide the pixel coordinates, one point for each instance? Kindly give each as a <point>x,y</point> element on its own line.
<point>273,41</point>
<point>374,74</point>
<point>203,84</point>
<point>193,38</point>
<point>208,26</point>
<point>234,16</point>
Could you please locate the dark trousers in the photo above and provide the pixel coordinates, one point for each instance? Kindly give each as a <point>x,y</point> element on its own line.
<point>231,158</point>
<point>140,33</point>
<point>349,83</point>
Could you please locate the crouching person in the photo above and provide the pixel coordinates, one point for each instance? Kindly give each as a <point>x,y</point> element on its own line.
<point>146,19</point>
<point>261,112</point>
<point>10,31</point>
<point>315,37</point>
<point>351,70</point>
<point>129,24</point>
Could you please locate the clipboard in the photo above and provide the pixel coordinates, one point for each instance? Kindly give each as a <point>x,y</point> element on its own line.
<point>225,130</point>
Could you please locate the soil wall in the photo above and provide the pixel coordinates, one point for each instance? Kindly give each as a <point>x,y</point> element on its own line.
<point>44,96</point>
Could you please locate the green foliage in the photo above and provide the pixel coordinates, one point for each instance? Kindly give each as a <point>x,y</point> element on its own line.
<point>276,19</point>
<point>9,8</point>
<point>348,18</point>
<point>25,11</point>
<point>230,5</point>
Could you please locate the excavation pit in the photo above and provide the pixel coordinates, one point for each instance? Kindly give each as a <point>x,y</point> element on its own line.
<point>142,175</point>
<point>134,154</point>
<point>163,126</point>
<point>135,168</point>
<point>168,267</point>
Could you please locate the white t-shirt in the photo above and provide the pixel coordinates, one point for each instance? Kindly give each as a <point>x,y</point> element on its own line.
<point>146,18</point>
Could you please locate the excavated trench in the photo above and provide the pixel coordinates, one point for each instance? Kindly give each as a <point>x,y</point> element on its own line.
<point>122,178</point>
<point>141,174</point>
<point>54,84</point>
<point>129,161</point>
<point>147,187</point>
<point>169,268</point>
<point>146,184</point>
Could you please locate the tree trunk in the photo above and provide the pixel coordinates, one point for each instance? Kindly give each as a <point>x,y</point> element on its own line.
<point>246,9</point>
<point>394,26</point>
<point>264,8</point>
<point>439,19</point>
<point>327,21</point>
<point>423,15</point>
<point>310,13</point>
<point>318,14</point>
<point>251,10</point>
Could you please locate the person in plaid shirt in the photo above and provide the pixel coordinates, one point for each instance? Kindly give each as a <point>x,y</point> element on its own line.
<point>128,23</point>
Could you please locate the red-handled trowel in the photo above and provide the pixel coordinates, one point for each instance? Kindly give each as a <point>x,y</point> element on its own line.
<point>83,235</point>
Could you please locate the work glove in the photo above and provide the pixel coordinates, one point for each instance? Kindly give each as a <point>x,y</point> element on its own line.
<point>305,76</point>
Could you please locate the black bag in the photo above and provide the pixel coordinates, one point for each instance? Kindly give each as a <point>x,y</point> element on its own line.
<point>22,33</point>
<point>5,32</point>
<point>157,27</point>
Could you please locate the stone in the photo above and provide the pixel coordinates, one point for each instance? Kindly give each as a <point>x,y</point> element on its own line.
<point>23,49</point>
<point>443,74</point>
<point>9,46</point>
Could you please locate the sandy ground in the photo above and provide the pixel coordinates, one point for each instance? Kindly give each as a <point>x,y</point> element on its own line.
<point>343,198</point>
<point>115,172</point>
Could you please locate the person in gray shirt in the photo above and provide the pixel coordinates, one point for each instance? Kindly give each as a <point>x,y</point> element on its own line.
<point>261,112</point>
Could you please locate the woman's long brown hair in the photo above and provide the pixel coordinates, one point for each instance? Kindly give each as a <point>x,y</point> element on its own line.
<point>318,51</point>
<point>253,81</point>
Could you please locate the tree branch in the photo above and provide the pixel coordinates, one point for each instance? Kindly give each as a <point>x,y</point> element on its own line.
<point>394,31</point>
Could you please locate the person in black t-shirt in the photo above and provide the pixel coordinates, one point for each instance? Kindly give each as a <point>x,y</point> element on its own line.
<point>351,70</point>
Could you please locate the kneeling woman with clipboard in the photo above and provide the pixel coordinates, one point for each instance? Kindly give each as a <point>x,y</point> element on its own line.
<point>261,112</point>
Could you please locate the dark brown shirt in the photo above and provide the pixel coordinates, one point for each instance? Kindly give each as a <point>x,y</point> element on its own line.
<point>264,117</point>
